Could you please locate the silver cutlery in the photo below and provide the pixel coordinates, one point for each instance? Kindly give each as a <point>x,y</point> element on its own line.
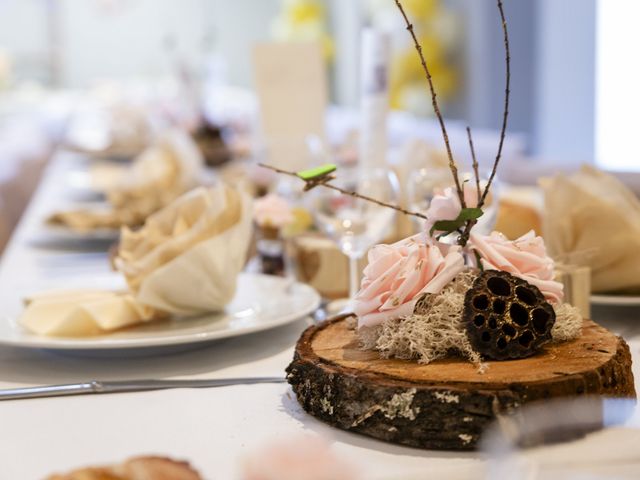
<point>95,386</point>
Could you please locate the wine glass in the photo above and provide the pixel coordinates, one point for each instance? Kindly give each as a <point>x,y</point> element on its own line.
<point>424,183</point>
<point>353,223</point>
<point>576,438</point>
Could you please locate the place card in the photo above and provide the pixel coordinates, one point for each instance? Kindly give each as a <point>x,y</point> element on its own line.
<point>291,82</point>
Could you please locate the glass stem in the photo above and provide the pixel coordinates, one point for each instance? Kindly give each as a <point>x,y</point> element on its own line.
<point>354,276</point>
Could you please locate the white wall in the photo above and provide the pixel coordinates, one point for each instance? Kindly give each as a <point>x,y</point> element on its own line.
<point>565,80</point>
<point>132,43</point>
<point>130,39</point>
<point>618,85</point>
<point>239,24</point>
<point>23,34</point>
<point>100,44</point>
<point>553,73</point>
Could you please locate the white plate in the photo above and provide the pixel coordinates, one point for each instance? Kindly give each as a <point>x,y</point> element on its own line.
<point>62,234</point>
<point>616,300</point>
<point>261,302</point>
<point>80,187</point>
<point>47,233</point>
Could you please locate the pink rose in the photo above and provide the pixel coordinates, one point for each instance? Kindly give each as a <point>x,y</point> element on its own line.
<point>525,257</point>
<point>299,458</point>
<point>445,204</point>
<point>272,211</point>
<point>398,274</point>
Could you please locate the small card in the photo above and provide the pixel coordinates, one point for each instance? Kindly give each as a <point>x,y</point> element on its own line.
<point>291,81</point>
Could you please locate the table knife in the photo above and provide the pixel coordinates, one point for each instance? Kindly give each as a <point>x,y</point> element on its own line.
<point>95,386</point>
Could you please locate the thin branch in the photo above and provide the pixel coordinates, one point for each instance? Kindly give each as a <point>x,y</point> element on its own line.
<point>464,235</point>
<point>506,104</point>
<point>324,182</point>
<point>475,165</point>
<point>436,108</point>
<point>464,238</point>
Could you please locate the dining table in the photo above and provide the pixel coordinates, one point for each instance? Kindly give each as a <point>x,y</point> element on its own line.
<point>215,429</point>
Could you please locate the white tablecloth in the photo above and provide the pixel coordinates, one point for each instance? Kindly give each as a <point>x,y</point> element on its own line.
<point>214,428</point>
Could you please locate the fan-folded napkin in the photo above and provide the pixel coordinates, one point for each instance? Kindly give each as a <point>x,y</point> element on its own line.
<point>184,261</point>
<point>82,313</point>
<point>187,257</point>
<point>593,219</point>
<point>158,176</point>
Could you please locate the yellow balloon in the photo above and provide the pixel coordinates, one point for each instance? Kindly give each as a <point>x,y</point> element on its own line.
<point>421,9</point>
<point>304,11</point>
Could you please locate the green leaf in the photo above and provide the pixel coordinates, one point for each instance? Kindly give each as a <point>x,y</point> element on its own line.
<point>449,226</point>
<point>470,213</point>
<point>317,172</point>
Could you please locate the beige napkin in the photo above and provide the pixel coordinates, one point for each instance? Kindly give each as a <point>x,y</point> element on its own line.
<point>184,261</point>
<point>158,176</point>
<point>170,167</point>
<point>592,219</point>
<point>114,129</point>
<point>187,257</point>
<point>81,313</point>
<point>104,174</point>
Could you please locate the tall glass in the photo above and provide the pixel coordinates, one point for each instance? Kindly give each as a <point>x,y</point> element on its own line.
<point>356,224</point>
<point>578,438</point>
<point>424,183</point>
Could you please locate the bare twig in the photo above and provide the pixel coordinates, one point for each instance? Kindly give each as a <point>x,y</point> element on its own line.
<point>464,235</point>
<point>464,238</point>
<point>476,174</point>
<point>506,104</point>
<point>436,108</point>
<point>324,182</point>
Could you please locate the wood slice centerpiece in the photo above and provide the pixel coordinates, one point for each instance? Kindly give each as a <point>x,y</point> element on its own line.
<point>448,403</point>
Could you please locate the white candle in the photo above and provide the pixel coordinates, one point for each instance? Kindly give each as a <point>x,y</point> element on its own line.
<point>374,84</point>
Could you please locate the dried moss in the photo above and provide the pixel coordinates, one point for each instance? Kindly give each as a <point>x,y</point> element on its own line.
<point>434,333</point>
<point>568,323</point>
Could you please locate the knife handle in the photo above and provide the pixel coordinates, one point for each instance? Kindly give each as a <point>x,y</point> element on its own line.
<point>96,386</point>
<point>50,391</point>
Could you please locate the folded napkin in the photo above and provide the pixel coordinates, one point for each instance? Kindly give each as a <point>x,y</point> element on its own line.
<point>81,313</point>
<point>92,219</point>
<point>592,219</point>
<point>163,171</point>
<point>184,261</point>
<point>157,177</point>
<point>186,258</point>
<point>105,174</point>
<point>111,128</point>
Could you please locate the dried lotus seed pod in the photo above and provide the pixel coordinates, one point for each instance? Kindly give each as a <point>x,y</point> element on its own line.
<point>506,317</point>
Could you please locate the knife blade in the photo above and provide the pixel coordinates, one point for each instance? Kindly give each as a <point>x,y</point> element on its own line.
<point>121,386</point>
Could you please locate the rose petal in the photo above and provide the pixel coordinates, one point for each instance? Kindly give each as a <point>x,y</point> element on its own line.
<point>525,257</point>
<point>408,268</point>
<point>453,264</point>
<point>381,282</point>
<point>376,318</point>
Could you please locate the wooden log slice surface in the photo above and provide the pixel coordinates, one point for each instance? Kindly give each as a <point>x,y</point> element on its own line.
<point>448,403</point>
